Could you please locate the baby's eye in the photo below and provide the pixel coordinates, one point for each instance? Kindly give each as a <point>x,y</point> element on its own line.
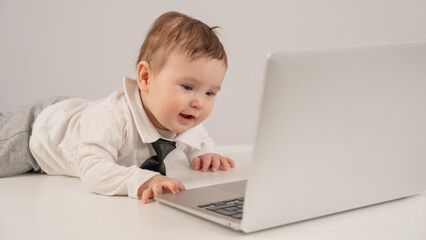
<point>210,94</point>
<point>186,87</point>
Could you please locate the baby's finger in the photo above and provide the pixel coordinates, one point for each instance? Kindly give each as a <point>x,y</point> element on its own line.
<point>207,160</point>
<point>146,195</point>
<point>196,163</point>
<point>157,189</point>
<point>215,163</point>
<point>178,183</point>
<point>230,162</point>
<point>224,163</point>
<point>171,186</point>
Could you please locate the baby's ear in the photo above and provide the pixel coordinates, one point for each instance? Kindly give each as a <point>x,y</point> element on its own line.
<point>143,74</point>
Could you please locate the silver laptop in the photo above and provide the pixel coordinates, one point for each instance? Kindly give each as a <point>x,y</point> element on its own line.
<point>339,128</point>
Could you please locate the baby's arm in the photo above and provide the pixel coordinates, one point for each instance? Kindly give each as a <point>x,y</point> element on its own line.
<point>215,161</point>
<point>156,185</point>
<point>98,138</point>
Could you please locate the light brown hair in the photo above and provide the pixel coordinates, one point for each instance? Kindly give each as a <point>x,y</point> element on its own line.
<point>175,31</point>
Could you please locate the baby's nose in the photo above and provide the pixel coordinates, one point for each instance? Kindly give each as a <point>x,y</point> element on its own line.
<point>196,103</point>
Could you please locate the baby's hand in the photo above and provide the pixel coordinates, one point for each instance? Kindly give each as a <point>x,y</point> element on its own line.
<point>156,185</point>
<point>215,161</point>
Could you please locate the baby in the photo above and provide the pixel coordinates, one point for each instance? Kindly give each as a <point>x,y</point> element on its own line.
<point>118,145</point>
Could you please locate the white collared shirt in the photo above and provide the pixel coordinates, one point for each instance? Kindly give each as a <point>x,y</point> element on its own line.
<point>104,142</point>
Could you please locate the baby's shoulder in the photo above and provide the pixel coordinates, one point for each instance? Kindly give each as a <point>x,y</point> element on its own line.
<point>115,104</point>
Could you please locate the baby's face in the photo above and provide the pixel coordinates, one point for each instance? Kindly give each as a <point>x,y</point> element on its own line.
<point>182,94</point>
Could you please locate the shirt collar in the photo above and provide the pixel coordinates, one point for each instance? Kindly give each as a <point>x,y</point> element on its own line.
<point>146,129</point>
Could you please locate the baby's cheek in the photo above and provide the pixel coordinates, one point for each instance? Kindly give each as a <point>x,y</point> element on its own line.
<point>173,106</point>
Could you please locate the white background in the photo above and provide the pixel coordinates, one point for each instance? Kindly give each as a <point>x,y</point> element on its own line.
<point>82,48</point>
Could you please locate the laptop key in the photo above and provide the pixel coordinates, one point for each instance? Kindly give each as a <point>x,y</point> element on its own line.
<point>225,212</point>
<point>214,208</point>
<point>237,216</point>
<point>231,208</point>
<point>204,205</point>
<point>218,203</point>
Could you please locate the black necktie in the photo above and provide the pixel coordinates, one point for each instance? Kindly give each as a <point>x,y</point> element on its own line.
<point>156,163</point>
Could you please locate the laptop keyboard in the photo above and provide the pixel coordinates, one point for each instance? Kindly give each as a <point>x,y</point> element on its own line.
<point>231,208</point>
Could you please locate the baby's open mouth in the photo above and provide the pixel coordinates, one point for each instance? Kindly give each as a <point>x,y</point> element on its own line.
<point>187,116</point>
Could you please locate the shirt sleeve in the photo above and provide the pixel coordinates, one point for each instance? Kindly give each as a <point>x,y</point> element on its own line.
<point>206,146</point>
<point>103,134</point>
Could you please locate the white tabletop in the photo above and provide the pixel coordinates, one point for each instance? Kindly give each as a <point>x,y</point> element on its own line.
<point>36,206</point>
